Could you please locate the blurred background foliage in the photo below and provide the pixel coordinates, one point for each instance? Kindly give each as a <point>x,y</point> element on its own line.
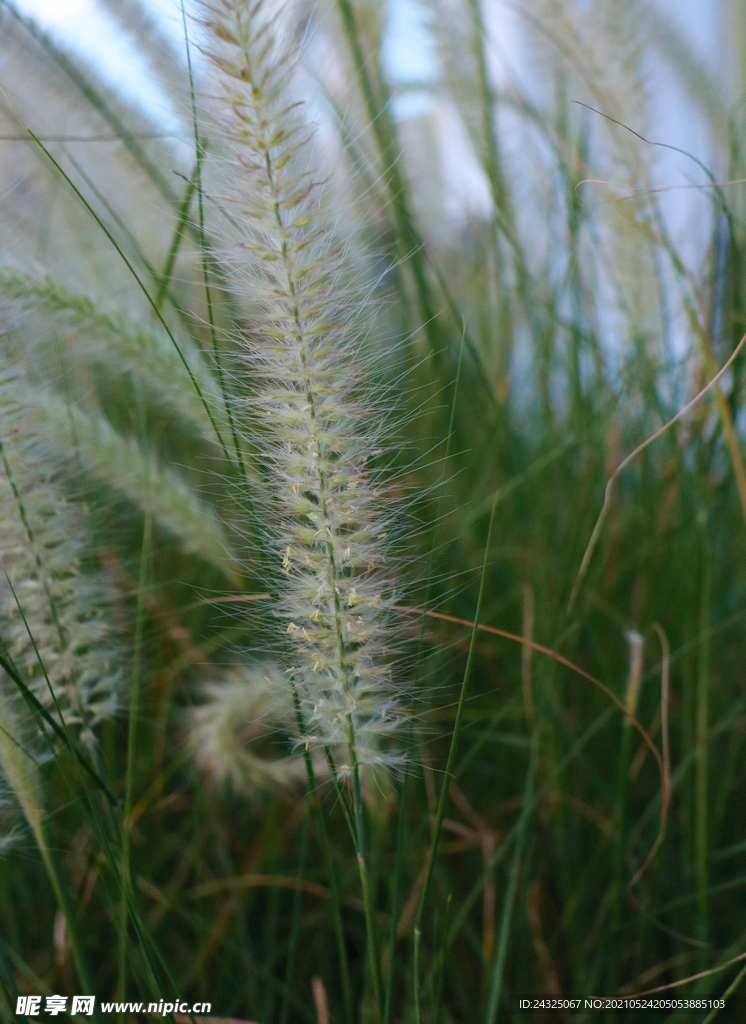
<point>538,305</point>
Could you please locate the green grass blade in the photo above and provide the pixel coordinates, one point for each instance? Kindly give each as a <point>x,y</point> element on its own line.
<point>129,777</point>
<point>506,920</point>
<point>440,813</point>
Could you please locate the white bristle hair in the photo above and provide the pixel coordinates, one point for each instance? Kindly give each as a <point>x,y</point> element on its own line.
<point>330,514</point>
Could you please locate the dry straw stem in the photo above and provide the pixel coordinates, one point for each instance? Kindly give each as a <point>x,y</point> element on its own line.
<point>319,1000</point>
<point>666,776</point>
<point>687,981</point>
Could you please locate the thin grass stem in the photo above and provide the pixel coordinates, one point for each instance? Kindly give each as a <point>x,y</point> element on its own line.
<point>295,923</point>
<point>335,906</point>
<point>440,813</point>
<point>506,919</point>
<point>200,148</point>
<point>129,777</point>
<point>141,285</point>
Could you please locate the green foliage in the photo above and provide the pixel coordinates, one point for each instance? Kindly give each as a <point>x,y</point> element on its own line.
<point>521,334</point>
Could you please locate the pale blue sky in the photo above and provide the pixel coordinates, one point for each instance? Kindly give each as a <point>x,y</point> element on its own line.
<point>86,27</point>
<point>83,25</point>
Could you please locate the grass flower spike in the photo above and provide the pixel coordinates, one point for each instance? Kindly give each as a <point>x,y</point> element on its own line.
<point>44,595</point>
<point>316,430</point>
<point>249,707</point>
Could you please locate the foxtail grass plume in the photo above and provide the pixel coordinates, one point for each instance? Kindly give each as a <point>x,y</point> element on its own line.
<point>236,733</point>
<point>317,431</point>
<point>64,649</point>
<point>18,766</point>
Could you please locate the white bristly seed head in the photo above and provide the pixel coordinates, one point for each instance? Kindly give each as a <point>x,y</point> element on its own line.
<point>328,513</point>
<point>236,733</point>
<point>41,546</point>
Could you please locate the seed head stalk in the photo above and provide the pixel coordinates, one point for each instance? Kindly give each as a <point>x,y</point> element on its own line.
<point>313,428</point>
<point>358,833</point>
<point>315,432</point>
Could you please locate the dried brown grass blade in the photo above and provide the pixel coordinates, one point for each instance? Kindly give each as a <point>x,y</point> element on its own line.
<point>738,469</point>
<point>551,654</point>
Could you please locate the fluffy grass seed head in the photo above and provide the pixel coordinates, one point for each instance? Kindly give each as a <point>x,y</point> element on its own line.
<point>328,512</point>
<point>236,733</point>
<point>18,766</point>
<point>41,550</point>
